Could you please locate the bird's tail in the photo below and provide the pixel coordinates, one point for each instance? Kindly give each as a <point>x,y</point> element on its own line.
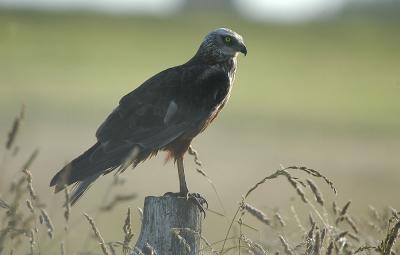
<point>77,170</point>
<point>93,163</point>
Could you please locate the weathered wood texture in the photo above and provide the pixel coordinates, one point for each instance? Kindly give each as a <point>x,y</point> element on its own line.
<point>170,225</point>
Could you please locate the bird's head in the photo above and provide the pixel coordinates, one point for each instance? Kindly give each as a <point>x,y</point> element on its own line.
<point>222,44</point>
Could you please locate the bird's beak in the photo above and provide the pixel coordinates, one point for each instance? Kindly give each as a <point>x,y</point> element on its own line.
<point>243,49</point>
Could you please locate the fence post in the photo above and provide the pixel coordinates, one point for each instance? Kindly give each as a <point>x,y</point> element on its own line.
<point>170,225</point>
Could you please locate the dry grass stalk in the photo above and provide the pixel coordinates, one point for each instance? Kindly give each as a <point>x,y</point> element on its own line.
<point>15,151</point>
<point>262,181</point>
<point>32,241</point>
<point>197,161</point>
<point>62,249</point>
<point>310,239</point>
<point>206,242</point>
<point>296,217</point>
<point>339,219</point>
<point>293,181</point>
<point>342,245</point>
<point>200,170</point>
<point>29,180</point>
<point>341,235</point>
<point>260,215</point>
<point>310,233</point>
<point>47,221</point>
<point>283,171</point>
<point>315,173</point>
<point>343,213</point>
<point>375,214</point>
<point>4,233</point>
<point>287,249</point>
<point>364,248</point>
<point>3,204</point>
<point>30,206</point>
<point>140,210</point>
<point>317,194</point>
<point>335,208</point>
<point>317,243</point>
<point>118,180</point>
<point>112,245</point>
<point>329,250</point>
<point>295,185</point>
<point>345,208</point>
<point>311,220</point>
<point>254,248</point>
<point>30,160</point>
<point>97,234</point>
<point>353,236</point>
<point>394,212</point>
<point>280,219</point>
<point>323,235</point>
<point>15,128</point>
<point>128,235</point>
<point>386,245</point>
<point>67,206</point>
<point>176,232</point>
<point>112,250</point>
<point>351,222</point>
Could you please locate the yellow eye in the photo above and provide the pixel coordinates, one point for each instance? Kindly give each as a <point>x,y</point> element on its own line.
<point>228,39</point>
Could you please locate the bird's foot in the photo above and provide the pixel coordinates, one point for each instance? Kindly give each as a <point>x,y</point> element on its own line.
<point>198,199</point>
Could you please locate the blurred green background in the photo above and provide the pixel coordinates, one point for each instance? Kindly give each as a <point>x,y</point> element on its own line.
<point>324,94</point>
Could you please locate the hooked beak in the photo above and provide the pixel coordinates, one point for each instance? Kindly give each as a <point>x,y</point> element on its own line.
<point>243,49</point>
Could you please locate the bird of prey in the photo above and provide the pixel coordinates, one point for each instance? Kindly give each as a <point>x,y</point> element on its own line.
<point>163,114</point>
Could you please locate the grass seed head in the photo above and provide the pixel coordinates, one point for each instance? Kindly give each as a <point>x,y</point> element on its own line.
<point>280,219</point>
<point>97,234</point>
<point>48,223</point>
<point>345,208</point>
<point>15,128</point>
<point>260,215</point>
<point>317,194</point>
<point>127,229</point>
<point>387,244</point>
<point>287,249</point>
<point>67,206</point>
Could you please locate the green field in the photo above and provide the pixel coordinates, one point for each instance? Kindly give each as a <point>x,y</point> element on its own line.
<point>342,75</point>
<point>324,95</point>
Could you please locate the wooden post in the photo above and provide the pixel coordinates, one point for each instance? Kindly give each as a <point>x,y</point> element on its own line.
<point>170,225</point>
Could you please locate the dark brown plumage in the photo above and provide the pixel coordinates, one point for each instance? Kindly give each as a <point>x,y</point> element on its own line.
<point>165,113</point>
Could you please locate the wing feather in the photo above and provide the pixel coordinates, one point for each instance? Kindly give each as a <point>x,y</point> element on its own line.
<point>140,117</point>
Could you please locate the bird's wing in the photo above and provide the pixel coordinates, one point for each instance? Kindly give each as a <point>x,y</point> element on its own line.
<point>164,107</point>
<point>177,101</point>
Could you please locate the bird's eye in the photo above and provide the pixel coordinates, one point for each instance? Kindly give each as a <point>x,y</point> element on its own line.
<point>228,39</point>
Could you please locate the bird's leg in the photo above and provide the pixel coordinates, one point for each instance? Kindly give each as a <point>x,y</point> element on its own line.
<point>183,190</point>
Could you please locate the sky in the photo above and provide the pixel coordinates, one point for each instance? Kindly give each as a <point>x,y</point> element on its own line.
<point>268,10</point>
<point>288,10</point>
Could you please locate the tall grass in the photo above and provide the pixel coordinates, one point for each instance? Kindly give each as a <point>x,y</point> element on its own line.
<point>27,227</point>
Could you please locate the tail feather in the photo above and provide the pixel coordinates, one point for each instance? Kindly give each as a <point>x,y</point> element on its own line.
<point>81,187</point>
<point>74,171</point>
<point>95,162</point>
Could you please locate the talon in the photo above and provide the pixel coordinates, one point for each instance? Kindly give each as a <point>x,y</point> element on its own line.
<point>200,201</point>
<point>175,194</point>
